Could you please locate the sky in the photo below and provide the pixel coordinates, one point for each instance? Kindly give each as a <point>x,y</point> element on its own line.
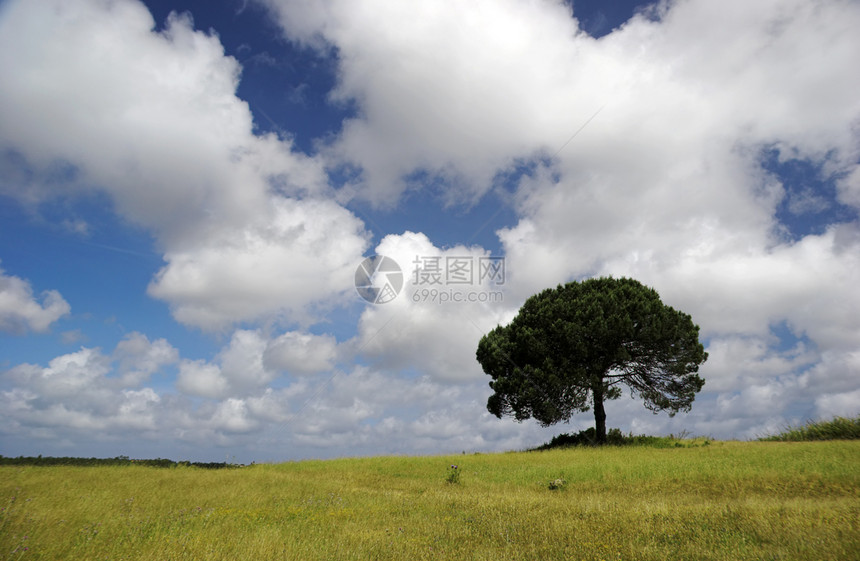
<point>192,194</point>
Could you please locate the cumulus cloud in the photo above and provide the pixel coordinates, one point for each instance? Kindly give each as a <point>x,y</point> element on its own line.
<point>849,187</point>
<point>138,358</point>
<point>84,395</point>
<point>88,384</point>
<point>447,303</point>
<point>65,376</point>
<point>464,89</point>
<point>21,312</point>
<point>646,154</point>
<point>437,83</point>
<point>152,119</point>
<point>301,353</point>
<point>71,395</point>
<point>667,182</point>
<point>89,394</point>
<point>238,369</point>
<point>369,409</point>
<point>843,404</point>
<point>180,87</point>
<point>197,377</point>
<point>738,362</point>
<point>299,254</point>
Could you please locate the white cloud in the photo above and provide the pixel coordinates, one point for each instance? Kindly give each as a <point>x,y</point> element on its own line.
<point>237,371</point>
<point>666,183</point>
<point>271,406</point>
<point>458,88</point>
<point>137,409</point>
<point>66,376</point>
<point>807,283</point>
<point>836,373</point>
<point>242,362</point>
<point>463,89</point>
<point>20,311</point>
<point>425,329</point>
<point>367,409</point>
<point>765,399</point>
<point>232,416</point>
<point>88,395</point>
<point>738,362</point>
<point>139,358</point>
<point>301,353</point>
<point>152,119</point>
<point>158,132</point>
<point>842,404</point>
<point>300,254</point>
<point>76,399</point>
<point>75,396</point>
<point>197,377</point>
<point>848,187</point>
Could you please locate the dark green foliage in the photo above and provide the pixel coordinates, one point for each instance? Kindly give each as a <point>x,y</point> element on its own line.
<point>118,461</point>
<point>614,437</point>
<point>840,428</point>
<point>588,437</point>
<point>570,348</point>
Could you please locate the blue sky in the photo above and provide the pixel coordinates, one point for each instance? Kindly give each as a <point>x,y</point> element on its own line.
<point>187,189</point>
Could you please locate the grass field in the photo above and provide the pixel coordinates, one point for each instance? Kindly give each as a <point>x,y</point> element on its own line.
<point>726,500</point>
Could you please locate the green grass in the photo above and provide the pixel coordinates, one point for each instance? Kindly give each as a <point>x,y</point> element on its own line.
<point>840,428</point>
<point>728,501</point>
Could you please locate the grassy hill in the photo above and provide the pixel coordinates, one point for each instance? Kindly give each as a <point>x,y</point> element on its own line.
<point>727,500</point>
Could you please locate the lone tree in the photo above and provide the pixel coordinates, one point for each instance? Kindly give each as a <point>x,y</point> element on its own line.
<point>570,348</point>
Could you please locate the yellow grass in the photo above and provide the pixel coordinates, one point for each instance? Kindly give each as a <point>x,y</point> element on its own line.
<point>728,501</point>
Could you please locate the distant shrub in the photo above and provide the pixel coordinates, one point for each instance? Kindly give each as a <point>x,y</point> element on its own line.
<point>614,437</point>
<point>582,438</point>
<point>839,428</point>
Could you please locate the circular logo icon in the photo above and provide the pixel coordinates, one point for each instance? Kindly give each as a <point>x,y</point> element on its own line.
<point>378,279</point>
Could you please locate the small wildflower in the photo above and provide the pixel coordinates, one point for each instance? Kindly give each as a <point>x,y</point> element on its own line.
<point>453,474</point>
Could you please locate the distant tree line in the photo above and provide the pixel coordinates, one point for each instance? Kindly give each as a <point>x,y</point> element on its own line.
<point>118,461</point>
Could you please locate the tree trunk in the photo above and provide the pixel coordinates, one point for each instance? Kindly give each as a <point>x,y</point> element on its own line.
<point>599,413</point>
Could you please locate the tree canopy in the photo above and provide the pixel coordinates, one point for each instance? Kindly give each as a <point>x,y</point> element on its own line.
<point>572,347</point>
